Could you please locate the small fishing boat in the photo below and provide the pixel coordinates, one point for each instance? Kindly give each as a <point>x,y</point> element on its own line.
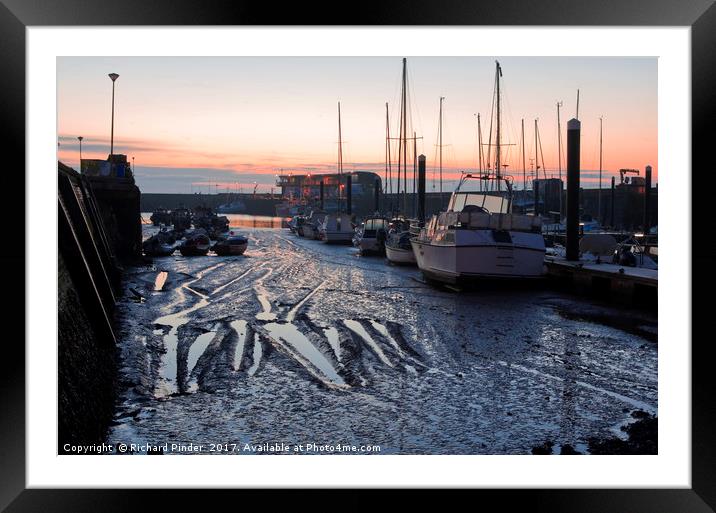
<point>337,229</point>
<point>161,216</point>
<point>370,235</point>
<point>195,245</point>
<point>181,218</point>
<point>158,246</point>
<point>233,245</point>
<point>398,249</point>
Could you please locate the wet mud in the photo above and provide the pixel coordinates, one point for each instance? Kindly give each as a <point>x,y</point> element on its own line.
<point>297,341</point>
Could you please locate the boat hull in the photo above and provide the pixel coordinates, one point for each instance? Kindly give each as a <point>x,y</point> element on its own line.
<point>228,250</point>
<point>331,237</point>
<point>460,263</point>
<point>194,250</point>
<point>310,232</point>
<point>161,251</point>
<point>369,245</point>
<point>400,255</point>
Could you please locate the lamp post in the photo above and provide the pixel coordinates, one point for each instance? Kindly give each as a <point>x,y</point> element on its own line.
<point>114,77</point>
<point>79,138</point>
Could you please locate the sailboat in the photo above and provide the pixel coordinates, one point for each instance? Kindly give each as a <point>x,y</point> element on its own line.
<point>478,236</point>
<point>337,228</point>
<point>398,249</point>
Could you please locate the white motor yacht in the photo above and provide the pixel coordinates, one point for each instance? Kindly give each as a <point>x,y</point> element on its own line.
<point>479,237</point>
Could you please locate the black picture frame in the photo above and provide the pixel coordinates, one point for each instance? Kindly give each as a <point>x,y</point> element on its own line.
<point>700,15</point>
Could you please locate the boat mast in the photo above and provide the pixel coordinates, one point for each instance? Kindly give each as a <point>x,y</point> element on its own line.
<point>498,74</point>
<point>340,161</point>
<point>559,157</point>
<point>389,179</point>
<point>415,173</point>
<point>524,166</point>
<point>536,157</point>
<point>559,142</point>
<point>404,135</point>
<point>479,147</point>
<point>440,146</point>
<point>599,197</point>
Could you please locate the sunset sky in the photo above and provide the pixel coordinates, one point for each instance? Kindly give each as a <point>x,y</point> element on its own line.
<point>192,123</point>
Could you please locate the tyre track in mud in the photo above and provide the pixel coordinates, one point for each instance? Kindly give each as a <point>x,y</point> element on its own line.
<point>287,330</point>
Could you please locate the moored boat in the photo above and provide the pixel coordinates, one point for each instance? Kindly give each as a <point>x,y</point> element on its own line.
<point>479,237</point>
<point>233,245</point>
<point>311,225</point>
<point>337,229</point>
<point>195,245</point>
<point>398,249</point>
<point>370,235</point>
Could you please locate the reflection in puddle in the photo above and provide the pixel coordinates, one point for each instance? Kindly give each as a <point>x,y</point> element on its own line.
<point>195,351</point>
<point>168,370</point>
<point>160,280</point>
<point>384,331</point>
<point>332,336</point>
<point>262,296</point>
<point>240,329</point>
<point>297,340</point>
<point>258,352</point>
<point>358,328</point>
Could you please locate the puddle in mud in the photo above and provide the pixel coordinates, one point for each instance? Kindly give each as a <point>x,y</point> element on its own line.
<point>331,335</point>
<point>240,328</point>
<point>384,331</point>
<point>160,280</point>
<point>262,296</point>
<point>258,351</point>
<point>168,370</point>
<point>358,329</point>
<point>195,351</point>
<point>298,341</point>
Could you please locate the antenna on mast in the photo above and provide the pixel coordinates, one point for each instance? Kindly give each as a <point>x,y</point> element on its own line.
<point>577,116</point>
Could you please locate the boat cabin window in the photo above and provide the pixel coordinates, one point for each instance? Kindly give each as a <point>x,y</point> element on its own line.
<point>375,224</point>
<point>492,204</point>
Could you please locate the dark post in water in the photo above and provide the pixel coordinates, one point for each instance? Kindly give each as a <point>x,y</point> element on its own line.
<point>421,188</point>
<point>321,192</point>
<point>349,196</point>
<point>647,201</point>
<point>573,135</point>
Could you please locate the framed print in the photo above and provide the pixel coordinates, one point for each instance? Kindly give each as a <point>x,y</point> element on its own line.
<point>416,250</point>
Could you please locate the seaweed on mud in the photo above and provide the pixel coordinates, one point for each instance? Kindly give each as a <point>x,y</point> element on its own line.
<point>643,437</point>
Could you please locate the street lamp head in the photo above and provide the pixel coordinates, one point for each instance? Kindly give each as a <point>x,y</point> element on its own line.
<point>113,76</point>
<point>79,138</point>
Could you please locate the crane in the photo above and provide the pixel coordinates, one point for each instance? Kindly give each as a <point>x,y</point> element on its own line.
<point>622,172</point>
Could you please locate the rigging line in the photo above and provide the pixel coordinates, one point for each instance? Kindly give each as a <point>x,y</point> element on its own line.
<point>539,139</point>
<point>488,161</point>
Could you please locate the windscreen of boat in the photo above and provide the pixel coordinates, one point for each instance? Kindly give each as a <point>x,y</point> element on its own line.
<point>491,203</point>
<point>375,224</point>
